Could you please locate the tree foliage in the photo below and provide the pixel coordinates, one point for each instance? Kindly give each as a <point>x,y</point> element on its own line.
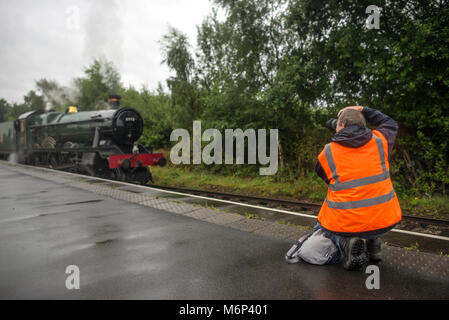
<point>176,54</point>
<point>100,80</point>
<point>293,64</point>
<point>4,110</point>
<point>155,108</point>
<point>400,69</point>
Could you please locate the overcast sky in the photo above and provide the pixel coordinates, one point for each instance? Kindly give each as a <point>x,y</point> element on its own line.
<point>55,39</point>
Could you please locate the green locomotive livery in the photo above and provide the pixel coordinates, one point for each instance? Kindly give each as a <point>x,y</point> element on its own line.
<point>101,143</point>
<point>7,138</point>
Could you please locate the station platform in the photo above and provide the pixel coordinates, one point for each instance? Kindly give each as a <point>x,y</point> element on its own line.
<point>129,243</point>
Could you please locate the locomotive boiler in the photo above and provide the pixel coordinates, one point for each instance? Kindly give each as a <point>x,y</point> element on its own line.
<point>101,143</point>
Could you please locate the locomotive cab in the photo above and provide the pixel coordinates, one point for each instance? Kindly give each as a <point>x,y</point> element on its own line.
<point>23,135</point>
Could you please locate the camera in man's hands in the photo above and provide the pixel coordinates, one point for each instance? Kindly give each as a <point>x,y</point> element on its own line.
<point>331,124</point>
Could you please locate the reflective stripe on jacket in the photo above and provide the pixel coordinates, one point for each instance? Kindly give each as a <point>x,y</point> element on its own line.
<point>360,196</point>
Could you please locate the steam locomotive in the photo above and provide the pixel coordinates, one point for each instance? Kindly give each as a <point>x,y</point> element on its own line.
<point>100,143</point>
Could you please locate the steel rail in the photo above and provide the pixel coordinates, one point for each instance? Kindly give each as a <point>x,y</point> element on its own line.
<point>286,203</point>
<point>155,188</point>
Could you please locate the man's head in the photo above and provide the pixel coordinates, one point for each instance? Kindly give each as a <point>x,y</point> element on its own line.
<point>350,117</point>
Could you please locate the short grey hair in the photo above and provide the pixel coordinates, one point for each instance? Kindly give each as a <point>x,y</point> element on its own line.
<point>351,117</point>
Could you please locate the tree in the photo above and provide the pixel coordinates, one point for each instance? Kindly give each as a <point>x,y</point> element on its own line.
<point>176,54</point>
<point>155,109</point>
<point>101,80</point>
<point>17,109</point>
<point>401,69</point>
<point>4,110</point>
<point>34,101</point>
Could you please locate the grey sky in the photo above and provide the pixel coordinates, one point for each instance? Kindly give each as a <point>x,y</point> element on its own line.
<point>55,39</point>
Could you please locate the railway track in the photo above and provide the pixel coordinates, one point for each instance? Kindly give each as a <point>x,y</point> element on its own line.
<point>411,226</point>
<point>409,222</point>
<point>289,204</point>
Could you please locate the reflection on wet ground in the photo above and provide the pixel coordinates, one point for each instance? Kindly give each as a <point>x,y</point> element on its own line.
<point>129,250</point>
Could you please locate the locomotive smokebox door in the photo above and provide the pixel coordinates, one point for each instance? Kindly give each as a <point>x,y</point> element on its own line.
<point>127,126</point>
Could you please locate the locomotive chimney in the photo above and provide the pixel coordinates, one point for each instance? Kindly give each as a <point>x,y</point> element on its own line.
<point>114,101</point>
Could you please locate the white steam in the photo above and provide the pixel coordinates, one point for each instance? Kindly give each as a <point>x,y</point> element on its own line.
<point>60,97</point>
<point>13,158</point>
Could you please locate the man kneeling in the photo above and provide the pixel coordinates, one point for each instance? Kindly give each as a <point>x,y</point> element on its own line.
<point>361,202</point>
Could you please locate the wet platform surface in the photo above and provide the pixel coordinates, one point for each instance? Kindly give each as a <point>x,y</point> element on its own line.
<point>133,245</point>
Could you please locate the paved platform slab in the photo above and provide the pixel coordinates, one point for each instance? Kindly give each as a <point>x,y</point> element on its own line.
<point>132,245</point>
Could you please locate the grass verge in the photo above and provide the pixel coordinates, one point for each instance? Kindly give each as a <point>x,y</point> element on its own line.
<point>307,188</point>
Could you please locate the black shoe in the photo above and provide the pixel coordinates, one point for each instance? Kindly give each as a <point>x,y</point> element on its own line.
<point>354,253</point>
<point>373,248</point>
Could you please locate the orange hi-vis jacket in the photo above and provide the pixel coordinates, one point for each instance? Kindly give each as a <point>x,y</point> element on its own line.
<point>360,196</point>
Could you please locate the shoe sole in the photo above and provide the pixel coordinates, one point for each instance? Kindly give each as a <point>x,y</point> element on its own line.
<point>357,256</point>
